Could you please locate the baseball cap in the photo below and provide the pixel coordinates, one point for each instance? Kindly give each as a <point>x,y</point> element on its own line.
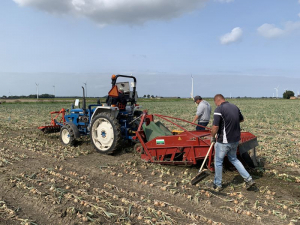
<point>197,97</point>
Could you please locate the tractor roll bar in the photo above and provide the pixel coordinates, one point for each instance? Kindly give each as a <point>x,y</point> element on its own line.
<point>114,80</point>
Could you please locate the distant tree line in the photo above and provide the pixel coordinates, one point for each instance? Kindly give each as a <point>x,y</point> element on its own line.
<point>150,96</point>
<point>29,96</point>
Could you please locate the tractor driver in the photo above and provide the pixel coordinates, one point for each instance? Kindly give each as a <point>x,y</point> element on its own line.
<point>120,101</point>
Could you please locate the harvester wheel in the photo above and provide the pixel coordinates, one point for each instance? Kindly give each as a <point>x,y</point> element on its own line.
<point>105,133</point>
<point>138,148</point>
<point>67,136</point>
<point>252,154</point>
<point>250,158</point>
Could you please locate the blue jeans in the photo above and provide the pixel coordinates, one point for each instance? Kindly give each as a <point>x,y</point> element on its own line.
<point>202,124</point>
<point>230,149</point>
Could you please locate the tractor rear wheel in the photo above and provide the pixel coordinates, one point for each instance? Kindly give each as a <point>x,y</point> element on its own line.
<point>67,136</point>
<point>105,133</point>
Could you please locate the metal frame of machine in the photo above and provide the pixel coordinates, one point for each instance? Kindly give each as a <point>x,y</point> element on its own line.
<point>187,147</point>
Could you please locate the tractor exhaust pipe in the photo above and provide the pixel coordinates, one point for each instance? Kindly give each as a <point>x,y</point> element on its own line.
<point>84,101</point>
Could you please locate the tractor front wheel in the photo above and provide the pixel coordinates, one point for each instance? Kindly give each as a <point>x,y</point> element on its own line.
<point>67,136</point>
<point>105,133</point>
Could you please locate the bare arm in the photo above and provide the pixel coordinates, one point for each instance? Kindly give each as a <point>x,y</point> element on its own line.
<point>214,130</point>
<point>195,118</point>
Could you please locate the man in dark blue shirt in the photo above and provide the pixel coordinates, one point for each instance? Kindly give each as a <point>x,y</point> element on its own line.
<point>226,129</point>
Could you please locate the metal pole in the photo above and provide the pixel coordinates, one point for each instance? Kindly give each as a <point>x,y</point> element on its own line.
<point>85,84</point>
<point>192,92</point>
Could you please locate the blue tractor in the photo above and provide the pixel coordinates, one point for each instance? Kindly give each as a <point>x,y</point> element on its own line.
<point>108,124</point>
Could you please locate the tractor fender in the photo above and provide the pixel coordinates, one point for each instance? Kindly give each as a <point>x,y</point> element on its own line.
<point>74,128</point>
<point>114,111</point>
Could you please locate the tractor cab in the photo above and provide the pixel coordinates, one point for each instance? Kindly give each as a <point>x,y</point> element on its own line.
<point>123,94</point>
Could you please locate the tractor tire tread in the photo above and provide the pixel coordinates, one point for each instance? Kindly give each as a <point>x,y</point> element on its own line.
<point>71,132</point>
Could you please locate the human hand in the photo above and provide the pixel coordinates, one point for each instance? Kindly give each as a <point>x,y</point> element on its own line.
<point>213,139</point>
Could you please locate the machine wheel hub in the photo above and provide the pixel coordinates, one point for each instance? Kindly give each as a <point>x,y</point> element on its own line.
<point>105,133</point>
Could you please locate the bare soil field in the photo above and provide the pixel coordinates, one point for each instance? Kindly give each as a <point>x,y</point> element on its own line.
<point>44,182</point>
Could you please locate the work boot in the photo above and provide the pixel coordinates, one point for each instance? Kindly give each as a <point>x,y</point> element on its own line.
<point>213,187</point>
<point>249,184</point>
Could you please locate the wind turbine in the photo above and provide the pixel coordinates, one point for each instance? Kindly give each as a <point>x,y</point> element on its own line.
<point>276,91</point>
<point>192,92</point>
<point>37,91</point>
<point>54,90</point>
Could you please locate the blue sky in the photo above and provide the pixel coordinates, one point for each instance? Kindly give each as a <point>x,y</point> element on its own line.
<point>233,47</point>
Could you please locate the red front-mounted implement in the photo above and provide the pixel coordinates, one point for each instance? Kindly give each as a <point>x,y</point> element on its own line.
<point>57,117</point>
<point>159,145</point>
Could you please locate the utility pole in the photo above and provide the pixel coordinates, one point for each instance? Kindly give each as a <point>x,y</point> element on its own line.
<point>54,90</point>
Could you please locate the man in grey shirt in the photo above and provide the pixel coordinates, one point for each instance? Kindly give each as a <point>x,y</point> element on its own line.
<point>203,113</point>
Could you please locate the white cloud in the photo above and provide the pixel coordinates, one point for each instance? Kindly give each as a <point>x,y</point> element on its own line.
<point>234,36</point>
<point>226,1</point>
<point>292,26</point>
<point>271,31</point>
<point>105,12</point>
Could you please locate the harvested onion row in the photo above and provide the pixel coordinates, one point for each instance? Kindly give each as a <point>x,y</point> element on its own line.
<point>137,204</point>
<point>65,178</point>
<point>189,215</point>
<point>11,214</point>
<point>283,176</point>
